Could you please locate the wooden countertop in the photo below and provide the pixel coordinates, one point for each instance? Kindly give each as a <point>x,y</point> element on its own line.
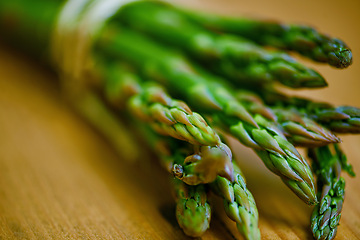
<point>60,179</point>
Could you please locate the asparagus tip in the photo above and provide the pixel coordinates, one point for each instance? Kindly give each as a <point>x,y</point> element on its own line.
<point>341,58</point>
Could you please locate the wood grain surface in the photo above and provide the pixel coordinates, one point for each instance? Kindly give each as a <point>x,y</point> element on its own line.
<point>60,179</point>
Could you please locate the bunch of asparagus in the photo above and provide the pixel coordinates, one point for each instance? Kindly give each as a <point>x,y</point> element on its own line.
<point>150,54</point>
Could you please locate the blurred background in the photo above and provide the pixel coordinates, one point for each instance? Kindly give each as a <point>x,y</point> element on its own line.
<point>59,178</point>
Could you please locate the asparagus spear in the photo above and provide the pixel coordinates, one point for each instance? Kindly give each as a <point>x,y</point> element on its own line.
<point>239,204</point>
<point>299,38</point>
<point>343,119</point>
<point>298,129</point>
<point>193,211</point>
<point>302,130</point>
<point>172,117</point>
<point>149,102</point>
<point>202,91</point>
<point>236,58</point>
<point>326,215</point>
<point>278,154</point>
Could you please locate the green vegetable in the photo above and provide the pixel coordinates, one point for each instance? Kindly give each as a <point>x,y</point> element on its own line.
<point>343,119</point>
<point>239,204</point>
<point>236,58</point>
<point>164,49</point>
<point>297,128</point>
<point>193,211</point>
<point>299,38</point>
<point>201,91</point>
<point>326,215</point>
<point>149,102</point>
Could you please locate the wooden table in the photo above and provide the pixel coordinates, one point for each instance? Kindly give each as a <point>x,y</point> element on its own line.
<point>60,179</point>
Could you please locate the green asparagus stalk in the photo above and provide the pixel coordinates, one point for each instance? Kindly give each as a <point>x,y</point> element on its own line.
<point>176,73</point>
<point>299,38</point>
<point>343,119</point>
<point>303,131</point>
<point>171,117</point>
<point>277,153</point>
<point>298,129</point>
<point>239,204</point>
<point>193,211</point>
<point>326,215</point>
<point>149,102</point>
<point>236,58</point>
